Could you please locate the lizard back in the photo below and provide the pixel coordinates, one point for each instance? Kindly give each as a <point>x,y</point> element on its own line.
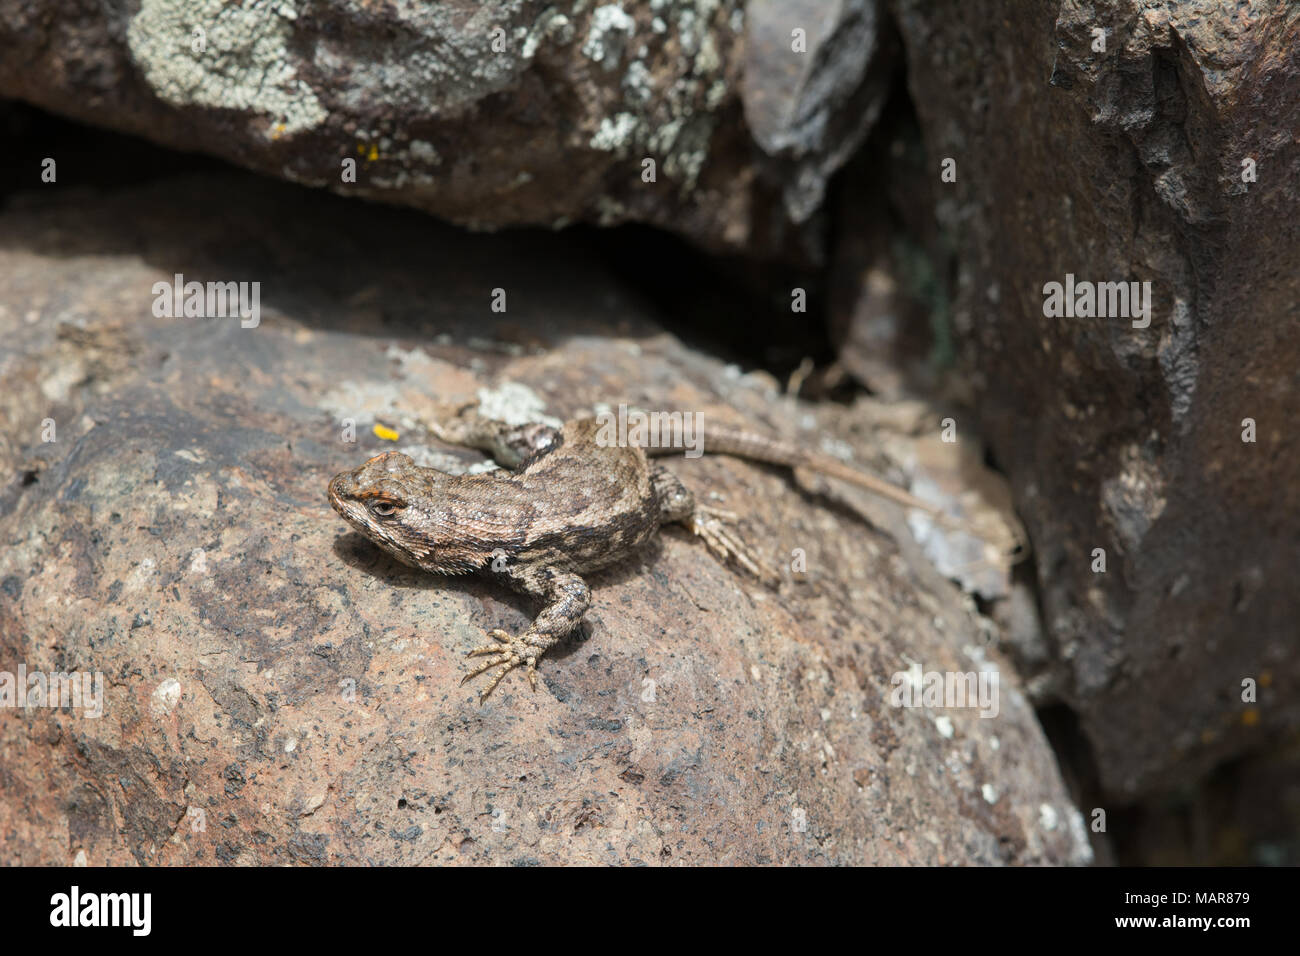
<point>591,503</point>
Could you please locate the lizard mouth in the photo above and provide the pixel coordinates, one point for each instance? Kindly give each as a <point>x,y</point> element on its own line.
<point>336,495</point>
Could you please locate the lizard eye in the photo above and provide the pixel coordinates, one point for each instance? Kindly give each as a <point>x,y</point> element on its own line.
<point>383,509</point>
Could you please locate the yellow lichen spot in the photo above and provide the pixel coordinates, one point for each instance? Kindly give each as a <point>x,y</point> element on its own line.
<point>386,433</point>
<point>1265,678</point>
<point>1250,718</point>
<point>278,130</point>
<point>373,154</point>
<point>361,149</point>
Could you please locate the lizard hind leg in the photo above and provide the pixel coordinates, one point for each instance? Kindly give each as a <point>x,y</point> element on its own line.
<point>712,526</point>
<point>677,504</point>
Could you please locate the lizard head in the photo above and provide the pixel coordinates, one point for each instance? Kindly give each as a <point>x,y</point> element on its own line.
<point>422,516</point>
<point>384,499</point>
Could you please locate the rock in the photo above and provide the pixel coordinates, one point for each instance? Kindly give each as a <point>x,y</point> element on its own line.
<point>1131,165</point>
<point>487,114</point>
<point>815,79</point>
<point>295,697</point>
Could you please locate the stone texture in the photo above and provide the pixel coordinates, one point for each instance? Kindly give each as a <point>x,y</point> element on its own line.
<point>487,114</point>
<point>278,691</point>
<point>809,111</point>
<point>1127,165</point>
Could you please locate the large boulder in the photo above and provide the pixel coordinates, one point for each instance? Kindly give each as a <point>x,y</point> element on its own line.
<point>276,690</point>
<point>1169,156</point>
<point>487,114</point>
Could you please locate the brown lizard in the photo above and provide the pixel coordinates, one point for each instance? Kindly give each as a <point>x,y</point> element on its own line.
<point>570,504</point>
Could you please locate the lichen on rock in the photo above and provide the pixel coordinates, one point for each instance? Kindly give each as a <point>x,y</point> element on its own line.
<point>224,56</point>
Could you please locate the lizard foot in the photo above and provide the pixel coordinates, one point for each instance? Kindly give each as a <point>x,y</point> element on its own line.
<point>709,524</point>
<point>506,654</point>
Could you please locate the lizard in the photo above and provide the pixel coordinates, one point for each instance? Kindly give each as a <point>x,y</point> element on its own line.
<point>565,503</point>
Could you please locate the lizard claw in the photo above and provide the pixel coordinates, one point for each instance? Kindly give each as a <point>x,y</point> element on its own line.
<point>506,654</point>
<point>708,523</point>
<point>502,647</point>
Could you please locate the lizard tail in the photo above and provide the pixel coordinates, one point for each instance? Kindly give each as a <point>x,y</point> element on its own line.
<point>742,443</point>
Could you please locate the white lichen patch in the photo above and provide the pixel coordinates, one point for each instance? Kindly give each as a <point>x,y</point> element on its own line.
<point>515,404</point>
<point>707,60</point>
<point>551,25</point>
<point>717,93</point>
<point>615,133</point>
<point>664,138</point>
<point>611,28</point>
<point>423,152</point>
<point>364,404</point>
<point>637,83</point>
<point>211,53</point>
<point>690,150</point>
<point>688,31</point>
<point>673,83</point>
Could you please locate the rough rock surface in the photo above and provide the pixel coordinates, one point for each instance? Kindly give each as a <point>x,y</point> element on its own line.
<point>278,691</point>
<point>1117,166</point>
<point>504,112</point>
<point>809,111</point>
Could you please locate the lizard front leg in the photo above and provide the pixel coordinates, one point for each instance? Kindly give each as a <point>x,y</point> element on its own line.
<point>566,599</point>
